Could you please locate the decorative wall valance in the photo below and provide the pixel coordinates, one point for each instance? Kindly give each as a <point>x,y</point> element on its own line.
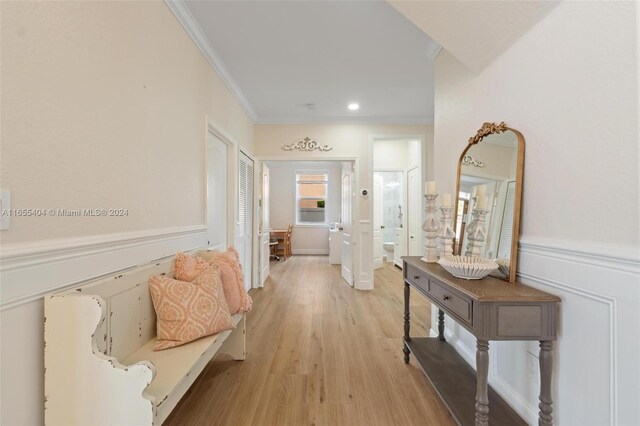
<point>307,144</point>
<point>469,160</point>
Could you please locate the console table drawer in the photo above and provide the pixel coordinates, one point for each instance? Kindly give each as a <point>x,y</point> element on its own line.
<point>417,278</point>
<point>452,303</point>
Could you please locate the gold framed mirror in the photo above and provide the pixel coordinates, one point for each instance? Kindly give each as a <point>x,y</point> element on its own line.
<point>489,188</point>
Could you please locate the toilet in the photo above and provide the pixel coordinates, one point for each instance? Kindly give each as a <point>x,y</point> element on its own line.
<point>388,251</point>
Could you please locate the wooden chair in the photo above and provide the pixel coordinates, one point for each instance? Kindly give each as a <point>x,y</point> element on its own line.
<point>287,241</point>
<point>281,247</point>
<point>273,249</point>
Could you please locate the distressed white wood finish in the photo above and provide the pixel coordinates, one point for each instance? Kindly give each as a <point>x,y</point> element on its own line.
<point>100,367</point>
<point>82,385</point>
<point>177,368</point>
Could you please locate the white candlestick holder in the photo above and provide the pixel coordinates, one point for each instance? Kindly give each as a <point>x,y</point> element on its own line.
<point>446,233</point>
<point>431,226</point>
<point>476,233</point>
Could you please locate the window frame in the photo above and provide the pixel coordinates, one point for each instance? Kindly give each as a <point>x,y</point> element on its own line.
<point>298,222</point>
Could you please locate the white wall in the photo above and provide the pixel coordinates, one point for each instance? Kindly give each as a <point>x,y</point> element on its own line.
<point>390,155</point>
<point>103,106</point>
<point>570,85</point>
<point>397,154</point>
<point>306,239</point>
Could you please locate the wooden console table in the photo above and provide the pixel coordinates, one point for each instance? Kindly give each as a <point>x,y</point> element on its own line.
<point>491,309</point>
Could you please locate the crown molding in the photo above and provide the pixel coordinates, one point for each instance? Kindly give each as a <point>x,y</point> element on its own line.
<point>186,18</point>
<point>433,50</point>
<point>374,120</point>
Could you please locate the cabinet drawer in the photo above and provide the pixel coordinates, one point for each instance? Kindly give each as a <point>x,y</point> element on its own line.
<point>457,305</point>
<point>417,278</point>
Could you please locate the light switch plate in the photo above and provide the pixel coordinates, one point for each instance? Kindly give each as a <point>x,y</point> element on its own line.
<point>5,206</point>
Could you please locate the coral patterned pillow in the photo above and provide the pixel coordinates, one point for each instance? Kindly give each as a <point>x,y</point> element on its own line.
<point>187,311</point>
<point>187,268</point>
<point>232,280</point>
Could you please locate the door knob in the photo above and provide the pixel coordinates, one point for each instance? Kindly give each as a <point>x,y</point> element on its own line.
<point>445,298</point>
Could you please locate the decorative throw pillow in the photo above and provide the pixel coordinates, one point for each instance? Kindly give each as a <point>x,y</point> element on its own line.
<point>187,268</point>
<point>232,280</point>
<point>187,311</point>
<point>207,255</point>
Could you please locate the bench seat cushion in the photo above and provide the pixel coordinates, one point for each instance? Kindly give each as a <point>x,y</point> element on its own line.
<point>173,365</point>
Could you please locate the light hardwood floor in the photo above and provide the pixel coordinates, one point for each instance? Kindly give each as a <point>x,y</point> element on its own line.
<point>320,353</point>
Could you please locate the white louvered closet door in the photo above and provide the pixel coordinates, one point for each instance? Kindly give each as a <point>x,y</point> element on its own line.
<point>506,231</point>
<point>245,216</point>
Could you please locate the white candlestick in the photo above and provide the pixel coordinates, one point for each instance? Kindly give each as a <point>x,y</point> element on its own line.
<point>431,226</point>
<point>430,188</point>
<point>476,234</point>
<point>481,191</point>
<point>446,234</point>
<point>446,200</point>
<point>482,202</point>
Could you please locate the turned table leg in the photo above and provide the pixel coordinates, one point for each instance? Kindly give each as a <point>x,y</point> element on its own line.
<point>546,365</point>
<point>482,392</point>
<point>407,338</point>
<point>441,325</point>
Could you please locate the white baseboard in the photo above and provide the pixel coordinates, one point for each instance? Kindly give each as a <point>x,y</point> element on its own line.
<point>310,251</point>
<point>29,271</point>
<point>598,326</point>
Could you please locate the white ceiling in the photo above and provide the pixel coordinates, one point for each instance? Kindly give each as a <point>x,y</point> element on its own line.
<point>280,56</point>
<point>475,32</point>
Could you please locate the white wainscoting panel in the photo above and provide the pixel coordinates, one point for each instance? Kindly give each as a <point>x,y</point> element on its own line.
<point>596,368</point>
<point>29,271</point>
<point>365,256</point>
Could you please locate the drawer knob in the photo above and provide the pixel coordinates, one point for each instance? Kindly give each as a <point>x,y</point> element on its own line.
<point>416,277</point>
<point>445,297</point>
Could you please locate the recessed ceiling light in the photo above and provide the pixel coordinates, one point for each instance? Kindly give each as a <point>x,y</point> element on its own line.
<point>353,106</point>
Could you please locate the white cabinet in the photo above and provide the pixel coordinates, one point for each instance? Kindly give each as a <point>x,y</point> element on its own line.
<point>335,247</point>
<point>400,245</point>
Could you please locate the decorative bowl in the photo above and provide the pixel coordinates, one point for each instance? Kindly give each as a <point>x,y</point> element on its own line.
<point>468,267</point>
<point>503,266</point>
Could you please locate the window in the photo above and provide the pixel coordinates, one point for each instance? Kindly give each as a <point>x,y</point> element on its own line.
<point>311,198</point>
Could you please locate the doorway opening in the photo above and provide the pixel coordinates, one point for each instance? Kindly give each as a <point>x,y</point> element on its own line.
<point>306,208</point>
<point>397,199</point>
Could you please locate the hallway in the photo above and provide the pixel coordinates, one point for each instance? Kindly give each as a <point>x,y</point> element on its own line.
<point>320,353</point>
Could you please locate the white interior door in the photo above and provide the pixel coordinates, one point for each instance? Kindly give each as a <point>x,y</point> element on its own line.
<point>245,216</point>
<point>399,245</point>
<point>217,198</point>
<point>265,253</point>
<point>414,216</point>
<point>378,193</point>
<point>347,209</point>
<point>506,228</point>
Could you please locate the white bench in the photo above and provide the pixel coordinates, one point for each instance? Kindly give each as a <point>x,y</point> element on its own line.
<point>100,367</point>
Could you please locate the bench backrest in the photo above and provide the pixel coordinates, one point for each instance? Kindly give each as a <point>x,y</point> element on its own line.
<point>129,318</point>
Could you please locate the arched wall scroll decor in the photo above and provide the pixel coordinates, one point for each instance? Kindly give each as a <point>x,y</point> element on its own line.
<point>469,160</point>
<point>307,144</point>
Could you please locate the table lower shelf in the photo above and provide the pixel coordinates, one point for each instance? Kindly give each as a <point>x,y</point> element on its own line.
<point>455,382</point>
